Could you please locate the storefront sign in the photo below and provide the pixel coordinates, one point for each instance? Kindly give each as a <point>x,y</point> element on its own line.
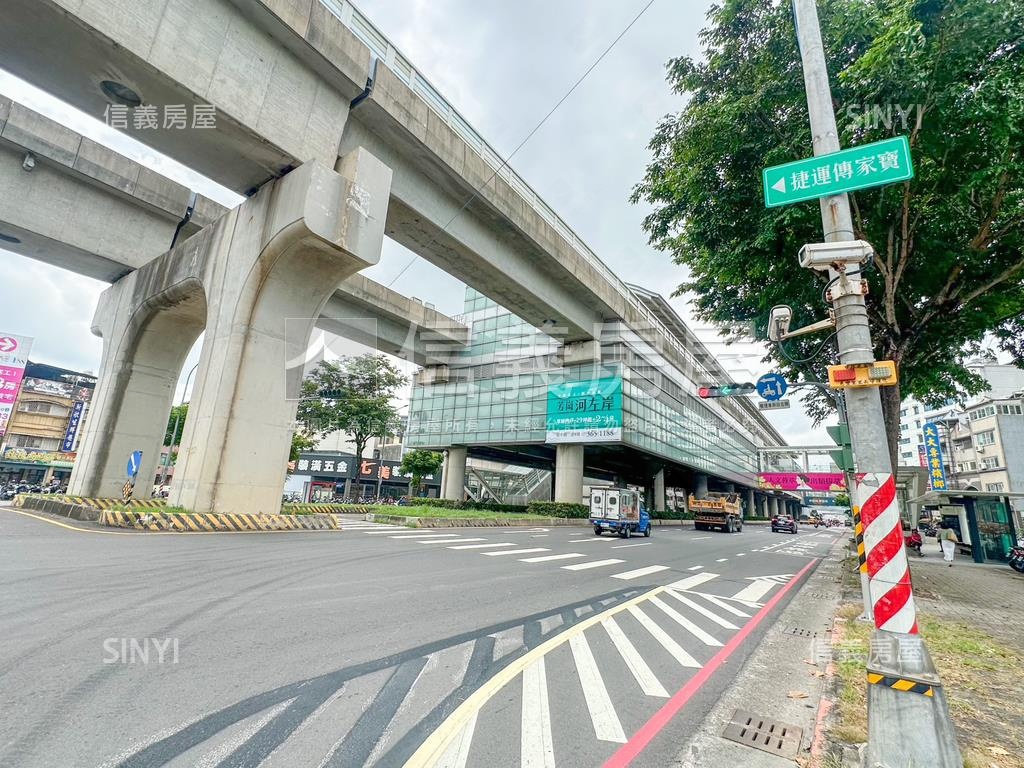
<point>803,481</point>
<point>72,431</point>
<point>585,411</point>
<point>39,456</point>
<point>13,359</point>
<point>347,466</point>
<point>933,454</point>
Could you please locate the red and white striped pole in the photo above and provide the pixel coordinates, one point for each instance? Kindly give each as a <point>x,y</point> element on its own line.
<point>889,587</point>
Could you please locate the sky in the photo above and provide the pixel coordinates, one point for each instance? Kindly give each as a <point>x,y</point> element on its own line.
<point>503,66</point>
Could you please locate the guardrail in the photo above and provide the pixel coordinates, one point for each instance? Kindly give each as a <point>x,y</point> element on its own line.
<point>385,51</point>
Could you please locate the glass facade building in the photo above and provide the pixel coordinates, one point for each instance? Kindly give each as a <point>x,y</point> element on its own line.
<point>495,393</point>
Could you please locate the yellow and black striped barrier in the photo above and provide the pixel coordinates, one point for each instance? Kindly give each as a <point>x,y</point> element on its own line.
<point>858,534</point>
<point>89,501</point>
<point>156,520</point>
<point>901,684</point>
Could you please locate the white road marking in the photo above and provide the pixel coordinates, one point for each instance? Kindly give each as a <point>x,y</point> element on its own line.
<point>457,753</point>
<point>702,610</point>
<point>483,546</point>
<point>640,572</point>
<point>515,551</point>
<point>722,604</point>
<point>426,536</point>
<point>741,554</point>
<point>685,623</point>
<point>642,673</point>
<point>602,714</point>
<point>593,538</point>
<point>225,748</point>
<point>701,538</point>
<point>546,558</point>
<point>692,581</point>
<point>662,637</point>
<point>755,590</point>
<point>721,559</point>
<point>626,546</point>
<point>536,748</point>
<point>593,564</point>
<point>695,568</point>
<point>449,541</point>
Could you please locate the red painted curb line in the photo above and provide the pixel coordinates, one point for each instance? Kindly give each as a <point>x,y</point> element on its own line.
<point>639,741</point>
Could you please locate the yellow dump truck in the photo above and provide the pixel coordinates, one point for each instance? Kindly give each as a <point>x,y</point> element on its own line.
<point>717,510</point>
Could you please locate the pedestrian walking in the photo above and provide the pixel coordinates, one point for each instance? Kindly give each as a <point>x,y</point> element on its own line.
<point>948,541</point>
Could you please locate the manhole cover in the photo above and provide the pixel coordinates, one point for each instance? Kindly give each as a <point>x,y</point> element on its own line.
<point>762,733</point>
<point>801,632</point>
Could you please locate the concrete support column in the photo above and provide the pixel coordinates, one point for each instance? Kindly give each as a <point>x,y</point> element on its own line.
<point>255,282</point>
<point>455,474</point>
<point>659,491</point>
<point>773,506</point>
<point>569,473</point>
<point>751,509</point>
<point>763,501</point>
<point>700,491</point>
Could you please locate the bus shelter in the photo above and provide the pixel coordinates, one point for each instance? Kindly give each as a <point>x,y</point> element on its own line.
<point>984,522</point>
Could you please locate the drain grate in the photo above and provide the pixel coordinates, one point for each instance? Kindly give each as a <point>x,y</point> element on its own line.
<point>762,733</point>
<point>801,632</point>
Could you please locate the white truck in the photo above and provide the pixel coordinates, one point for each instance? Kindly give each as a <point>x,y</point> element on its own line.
<point>619,510</point>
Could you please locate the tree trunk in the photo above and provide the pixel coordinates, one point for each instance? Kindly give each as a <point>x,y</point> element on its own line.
<point>891,402</point>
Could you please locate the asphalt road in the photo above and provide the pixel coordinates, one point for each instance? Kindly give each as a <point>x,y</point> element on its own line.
<point>376,645</point>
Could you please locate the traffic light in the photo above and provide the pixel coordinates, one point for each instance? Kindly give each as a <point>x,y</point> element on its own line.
<point>844,456</point>
<point>725,390</point>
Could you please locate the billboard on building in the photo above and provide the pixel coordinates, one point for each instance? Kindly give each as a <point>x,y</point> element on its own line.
<point>13,359</point>
<point>73,421</point>
<point>585,411</point>
<point>823,482</point>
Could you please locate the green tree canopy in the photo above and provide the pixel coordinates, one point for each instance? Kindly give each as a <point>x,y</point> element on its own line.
<point>178,413</point>
<point>419,464</point>
<point>948,269</point>
<point>353,395</point>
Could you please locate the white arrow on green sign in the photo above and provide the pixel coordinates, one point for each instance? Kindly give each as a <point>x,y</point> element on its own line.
<point>870,165</point>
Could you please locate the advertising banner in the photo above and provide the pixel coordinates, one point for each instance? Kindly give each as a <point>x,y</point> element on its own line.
<point>40,456</point>
<point>933,453</point>
<point>585,411</point>
<point>72,431</point>
<point>823,482</point>
<point>13,359</point>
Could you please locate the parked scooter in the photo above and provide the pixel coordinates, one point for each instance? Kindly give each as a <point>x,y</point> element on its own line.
<point>1016,558</point>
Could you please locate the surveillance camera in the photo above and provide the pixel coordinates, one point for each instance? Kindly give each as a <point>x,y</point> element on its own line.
<point>778,322</point>
<point>29,162</point>
<point>822,256</point>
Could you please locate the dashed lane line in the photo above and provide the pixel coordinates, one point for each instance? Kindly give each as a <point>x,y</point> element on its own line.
<point>695,568</point>
<point>627,546</point>
<point>483,546</point>
<point>449,541</point>
<point>515,551</point>
<point>547,558</point>
<point>640,572</point>
<point>592,564</point>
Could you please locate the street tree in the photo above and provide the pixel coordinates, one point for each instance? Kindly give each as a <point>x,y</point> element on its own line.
<point>948,271</point>
<point>419,464</point>
<point>353,395</point>
<point>176,424</point>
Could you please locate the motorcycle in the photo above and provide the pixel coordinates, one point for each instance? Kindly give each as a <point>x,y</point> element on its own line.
<point>1016,558</point>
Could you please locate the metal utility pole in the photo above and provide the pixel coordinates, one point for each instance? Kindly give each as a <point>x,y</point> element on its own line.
<point>908,716</point>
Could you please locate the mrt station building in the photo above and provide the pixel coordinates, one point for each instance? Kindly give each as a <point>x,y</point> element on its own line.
<point>620,410</point>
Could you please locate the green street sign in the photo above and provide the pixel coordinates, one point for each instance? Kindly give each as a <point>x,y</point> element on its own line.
<point>870,165</point>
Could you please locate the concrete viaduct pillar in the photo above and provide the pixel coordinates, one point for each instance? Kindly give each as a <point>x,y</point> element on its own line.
<point>255,282</point>
<point>773,507</point>
<point>751,509</point>
<point>659,491</point>
<point>455,473</point>
<point>569,473</point>
<point>764,505</point>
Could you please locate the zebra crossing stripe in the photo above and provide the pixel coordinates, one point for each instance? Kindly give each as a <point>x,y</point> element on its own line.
<point>591,564</point>
<point>607,726</point>
<point>692,581</point>
<point>642,673</point>
<point>663,637</point>
<point>685,623</point>
<point>537,749</point>
<point>626,575</point>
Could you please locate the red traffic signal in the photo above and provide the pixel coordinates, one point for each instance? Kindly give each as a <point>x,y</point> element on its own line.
<point>704,392</point>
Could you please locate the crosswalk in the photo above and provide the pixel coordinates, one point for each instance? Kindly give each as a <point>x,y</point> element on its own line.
<point>564,688</point>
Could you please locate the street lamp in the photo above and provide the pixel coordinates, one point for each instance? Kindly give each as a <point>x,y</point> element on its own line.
<point>174,432</point>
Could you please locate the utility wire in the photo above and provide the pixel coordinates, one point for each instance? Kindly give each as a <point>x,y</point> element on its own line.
<point>505,161</point>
